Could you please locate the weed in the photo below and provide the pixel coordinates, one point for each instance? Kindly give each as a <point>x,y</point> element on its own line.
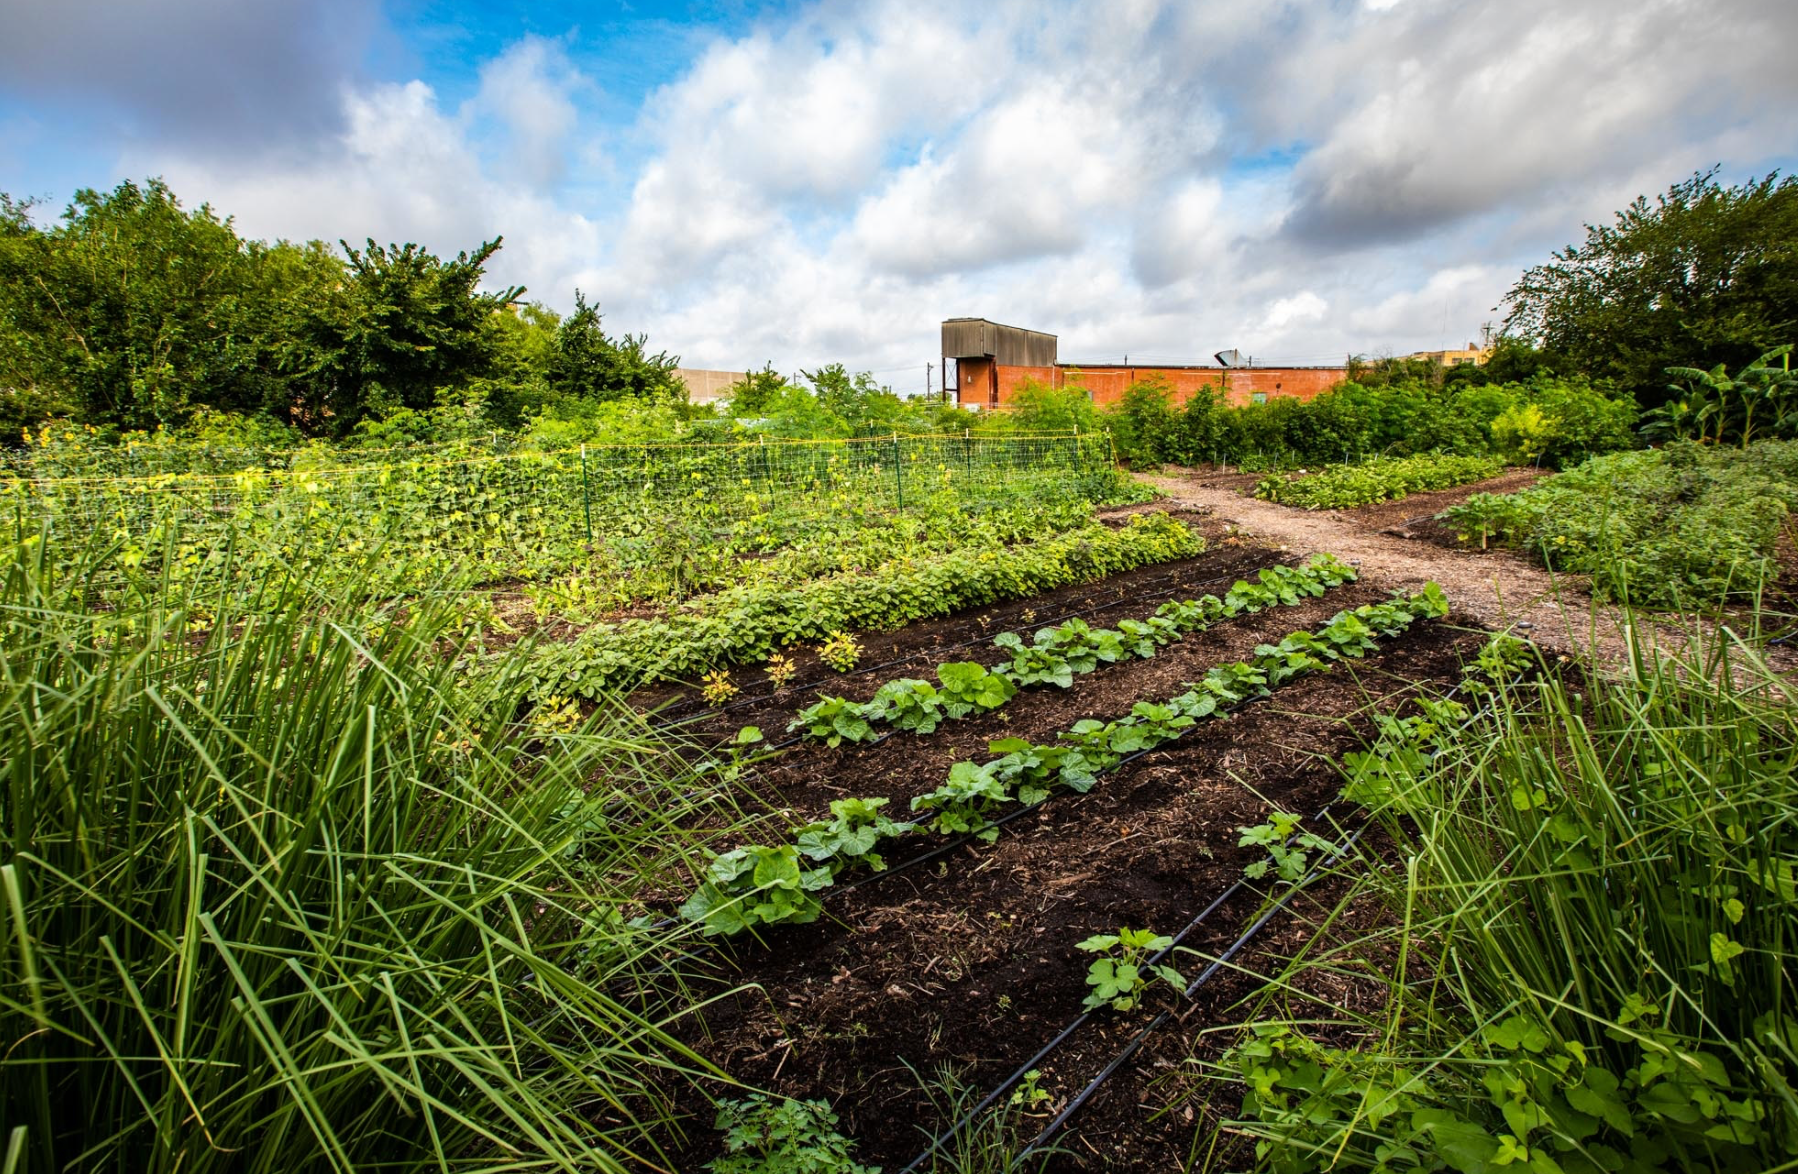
<point>784,1137</point>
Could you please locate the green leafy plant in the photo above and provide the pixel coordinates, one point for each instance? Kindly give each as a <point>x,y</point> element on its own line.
<point>1125,967</point>
<point>965,802</point>
<point>756,885</point>
<point>1289,850</point>
<point>1029,1094</point>
<point>1686,525</point>
<point>968,687</point>
<point>907,704</point>
<point>784,1137</point>
<point>835,720</point>
<point>1381,479</point>
<point>848,838</point>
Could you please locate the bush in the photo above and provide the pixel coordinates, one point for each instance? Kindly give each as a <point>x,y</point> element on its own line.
<point>1556,422</point>
<point>1678,526</point>
<point>1347,486</point>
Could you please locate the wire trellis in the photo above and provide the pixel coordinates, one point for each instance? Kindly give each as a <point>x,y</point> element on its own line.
<point>531,513</point>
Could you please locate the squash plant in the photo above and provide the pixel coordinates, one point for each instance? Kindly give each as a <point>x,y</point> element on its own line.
<point>756,885</point>
<point>1123,971</point>
<point>850,835</point>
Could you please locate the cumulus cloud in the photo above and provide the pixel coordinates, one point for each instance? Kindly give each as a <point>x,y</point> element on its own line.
<point>1462,113</point>
<point>529,88</point>
<point>1151,178</point>
<point>403,169</point>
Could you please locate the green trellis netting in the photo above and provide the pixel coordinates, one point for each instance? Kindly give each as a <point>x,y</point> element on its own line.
<point>527,513</point>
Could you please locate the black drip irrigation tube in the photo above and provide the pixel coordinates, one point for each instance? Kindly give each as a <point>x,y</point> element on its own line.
<point>1135,1043</point>
<point>944,1138</point>
<point>731,707</point>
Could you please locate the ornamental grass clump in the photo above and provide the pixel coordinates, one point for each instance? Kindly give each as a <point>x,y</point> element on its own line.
<point>285,890</point>
<point>1588,963</point>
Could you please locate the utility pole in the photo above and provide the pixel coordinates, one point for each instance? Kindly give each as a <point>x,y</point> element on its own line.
<point>927,387</point>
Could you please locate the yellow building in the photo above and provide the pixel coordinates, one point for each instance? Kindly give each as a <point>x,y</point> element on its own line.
<point>1468,356</point>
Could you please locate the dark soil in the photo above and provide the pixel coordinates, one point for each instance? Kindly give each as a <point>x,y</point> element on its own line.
<point>917,648</point>
<point>969,961</point>
<point>906,764</point>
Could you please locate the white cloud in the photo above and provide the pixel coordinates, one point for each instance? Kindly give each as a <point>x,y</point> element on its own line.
<point>529,89</point>
<point>1166,180</point>
<point>402,170</point>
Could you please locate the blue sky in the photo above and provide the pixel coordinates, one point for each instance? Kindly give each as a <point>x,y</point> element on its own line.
<point>806,183</point>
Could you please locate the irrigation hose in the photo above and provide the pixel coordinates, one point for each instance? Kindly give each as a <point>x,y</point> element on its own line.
<point>1067,1032</point>
<point>1217,964</point>
<point>1135,1043</point>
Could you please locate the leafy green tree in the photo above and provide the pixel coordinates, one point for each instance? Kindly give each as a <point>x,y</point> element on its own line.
<point>754,395</point>
<point>587,363</point>
<point>405,325</point>
<point>1144,425</point>
<point>132,312</point>
<point>1706,274</point>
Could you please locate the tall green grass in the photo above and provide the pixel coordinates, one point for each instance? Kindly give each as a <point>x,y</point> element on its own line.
<point>1587,962</point>
<point>284,890</point>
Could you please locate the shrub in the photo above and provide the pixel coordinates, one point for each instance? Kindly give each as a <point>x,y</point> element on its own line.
<point>1681,525</point>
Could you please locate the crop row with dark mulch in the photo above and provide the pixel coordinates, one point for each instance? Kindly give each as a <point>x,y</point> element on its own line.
<point>970,962</point>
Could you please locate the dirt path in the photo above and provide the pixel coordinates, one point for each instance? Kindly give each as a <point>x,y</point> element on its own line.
<point>1498,588</point>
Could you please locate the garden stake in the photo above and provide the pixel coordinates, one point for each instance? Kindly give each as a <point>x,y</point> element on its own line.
<point>586,502</point>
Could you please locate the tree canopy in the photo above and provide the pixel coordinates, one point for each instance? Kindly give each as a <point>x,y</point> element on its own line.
<point>131,312</point>
<point>1706,274</point>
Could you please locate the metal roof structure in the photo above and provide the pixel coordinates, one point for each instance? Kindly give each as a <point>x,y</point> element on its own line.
<point>1009,346</point>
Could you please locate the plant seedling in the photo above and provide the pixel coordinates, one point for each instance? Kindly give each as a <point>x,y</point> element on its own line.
<point>781,670</point>
<point>1122,972</point>
<point>718,687</point>
<point>840,651</point>
<point>850,835</point>
<point>785,1137</point>
<point>1288,852</point>
<point>1028,1095</point>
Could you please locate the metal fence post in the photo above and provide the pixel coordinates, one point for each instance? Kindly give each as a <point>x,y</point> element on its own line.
<point>898,472</point>
<point>586,497</point>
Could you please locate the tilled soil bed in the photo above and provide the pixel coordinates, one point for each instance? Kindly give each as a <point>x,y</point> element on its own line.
<point>916,649</point>
<point>969,961</point>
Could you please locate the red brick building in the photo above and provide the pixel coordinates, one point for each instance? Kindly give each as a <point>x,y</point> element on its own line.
<point>993,361</point>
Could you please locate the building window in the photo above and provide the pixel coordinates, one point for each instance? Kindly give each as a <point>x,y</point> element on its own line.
<point>1257,397</point>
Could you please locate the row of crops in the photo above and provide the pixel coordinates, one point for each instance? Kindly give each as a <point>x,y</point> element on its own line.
<point>588,529</point>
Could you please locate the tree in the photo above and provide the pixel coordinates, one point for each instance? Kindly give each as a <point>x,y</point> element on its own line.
<point>404,326</point>
<point>1707,274</point>
<point>589,364</point>
<point>132,312</point>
